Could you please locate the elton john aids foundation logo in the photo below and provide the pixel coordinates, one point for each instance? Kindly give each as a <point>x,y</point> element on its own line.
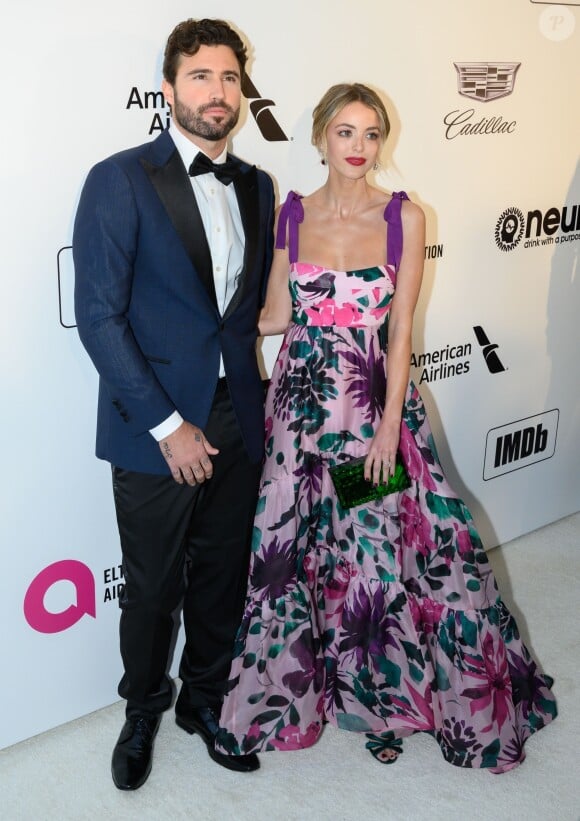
<point>37,614</point>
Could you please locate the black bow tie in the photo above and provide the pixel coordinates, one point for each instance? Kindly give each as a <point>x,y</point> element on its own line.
<point>225,172</point>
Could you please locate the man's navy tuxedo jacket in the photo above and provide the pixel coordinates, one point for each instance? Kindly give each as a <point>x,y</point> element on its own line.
<point>145,301</point>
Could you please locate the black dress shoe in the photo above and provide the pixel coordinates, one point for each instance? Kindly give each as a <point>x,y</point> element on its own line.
<point>131,763</point>
<point>205,722</point>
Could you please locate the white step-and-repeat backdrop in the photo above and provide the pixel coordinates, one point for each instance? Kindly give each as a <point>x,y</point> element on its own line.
<point>484,103</point>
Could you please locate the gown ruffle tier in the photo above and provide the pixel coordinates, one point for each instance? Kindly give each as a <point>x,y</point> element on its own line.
<point>385,617</point>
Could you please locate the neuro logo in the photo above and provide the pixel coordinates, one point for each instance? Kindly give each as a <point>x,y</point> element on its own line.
<point>260,108</point>
<point>486,81</point>
<point>551,227</point>
<point>520,444</point>
<point>489,351</point>
<point>46,621</point>
<point>509,229</point>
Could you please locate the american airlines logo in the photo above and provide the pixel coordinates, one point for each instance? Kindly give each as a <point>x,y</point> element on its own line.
<point>520,444</point>
<point>489,351</point>
<point>259,108</point>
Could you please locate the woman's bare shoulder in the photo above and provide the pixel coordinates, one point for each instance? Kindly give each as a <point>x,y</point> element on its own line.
<point>412,214</point>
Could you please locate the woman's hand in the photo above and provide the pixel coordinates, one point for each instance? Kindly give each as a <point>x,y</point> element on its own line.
<point>380,462</point>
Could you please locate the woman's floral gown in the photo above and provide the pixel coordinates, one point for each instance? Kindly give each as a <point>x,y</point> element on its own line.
<point>385,617</point>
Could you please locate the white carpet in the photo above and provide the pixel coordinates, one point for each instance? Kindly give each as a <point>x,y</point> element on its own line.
<point>64,774</point>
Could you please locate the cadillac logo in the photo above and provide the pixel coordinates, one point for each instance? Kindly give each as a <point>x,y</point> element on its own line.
<point>486,81</point>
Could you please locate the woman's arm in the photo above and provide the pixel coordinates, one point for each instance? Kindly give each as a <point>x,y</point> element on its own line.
<point>275,315</point>
<point>383,450</point>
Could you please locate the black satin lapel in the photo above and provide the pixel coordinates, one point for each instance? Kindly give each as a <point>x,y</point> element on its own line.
<point>174,190</point>
<point>246,186</point>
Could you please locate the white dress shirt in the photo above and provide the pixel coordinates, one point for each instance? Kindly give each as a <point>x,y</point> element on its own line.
<point>220,214</point>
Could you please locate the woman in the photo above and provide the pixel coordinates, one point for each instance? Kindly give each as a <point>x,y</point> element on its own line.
<point>383,618</point>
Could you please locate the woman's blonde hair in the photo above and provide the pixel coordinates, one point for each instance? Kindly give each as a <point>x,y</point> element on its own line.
<point>339,96</point>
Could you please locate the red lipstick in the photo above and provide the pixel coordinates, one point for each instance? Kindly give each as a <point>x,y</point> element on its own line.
<point>356,160</point>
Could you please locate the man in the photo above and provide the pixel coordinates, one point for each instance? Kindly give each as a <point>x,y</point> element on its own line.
<point>170,268</point>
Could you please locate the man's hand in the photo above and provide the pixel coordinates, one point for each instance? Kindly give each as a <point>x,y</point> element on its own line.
<point>187,453</point>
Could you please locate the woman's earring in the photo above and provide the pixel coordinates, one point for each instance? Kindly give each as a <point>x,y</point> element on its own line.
<point>322,159</point>
<point>376,166</point>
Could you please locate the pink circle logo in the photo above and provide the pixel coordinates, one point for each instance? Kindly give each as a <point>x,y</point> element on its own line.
<point>35,612</point>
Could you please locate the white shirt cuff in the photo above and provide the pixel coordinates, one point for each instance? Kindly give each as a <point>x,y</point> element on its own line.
<point>167,427</point>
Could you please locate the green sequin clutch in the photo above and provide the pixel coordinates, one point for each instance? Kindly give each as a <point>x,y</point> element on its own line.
<point>353,489</point>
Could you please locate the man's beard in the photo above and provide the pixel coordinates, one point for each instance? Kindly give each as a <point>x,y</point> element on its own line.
<point>192,120</point>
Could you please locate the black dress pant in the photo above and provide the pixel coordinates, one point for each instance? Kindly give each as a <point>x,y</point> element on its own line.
<point>190,546</point>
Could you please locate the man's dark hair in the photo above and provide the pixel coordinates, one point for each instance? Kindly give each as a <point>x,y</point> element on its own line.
<point>187,37</point>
